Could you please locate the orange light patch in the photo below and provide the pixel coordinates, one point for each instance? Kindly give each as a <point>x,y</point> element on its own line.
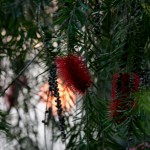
<point>67,97</point>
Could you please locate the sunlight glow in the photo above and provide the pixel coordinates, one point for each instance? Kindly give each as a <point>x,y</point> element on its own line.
<point>67,97</point>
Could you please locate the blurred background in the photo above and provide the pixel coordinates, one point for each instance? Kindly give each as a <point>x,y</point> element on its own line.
<point>113,38</point>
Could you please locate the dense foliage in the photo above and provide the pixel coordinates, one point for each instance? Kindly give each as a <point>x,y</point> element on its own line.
<point>113,38</point>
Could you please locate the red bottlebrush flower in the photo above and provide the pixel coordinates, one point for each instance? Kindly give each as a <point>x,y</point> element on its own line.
<point>118,107</point>
<point>122,86</point>
<point>12,95</point>
<point>74,72</point>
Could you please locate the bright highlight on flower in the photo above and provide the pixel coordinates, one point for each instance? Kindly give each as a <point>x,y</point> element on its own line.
<point>68,98</point>
<point>74,72</point>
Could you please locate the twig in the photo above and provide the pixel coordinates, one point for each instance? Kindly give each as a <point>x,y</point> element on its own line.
<point>40,28</point>
<point>41,73</point>
<point>20,73</point>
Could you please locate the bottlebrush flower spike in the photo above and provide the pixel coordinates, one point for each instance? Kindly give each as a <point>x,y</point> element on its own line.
<point>74,72</point>
<point>12,95</point>
<point>122,86</point>
<point>118,108</point>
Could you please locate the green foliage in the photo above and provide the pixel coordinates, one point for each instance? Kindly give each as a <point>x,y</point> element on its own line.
<point>4,126</point>
<point>112,36</point>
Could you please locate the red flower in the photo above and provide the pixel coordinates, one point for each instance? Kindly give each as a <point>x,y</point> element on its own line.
<point>122,86</point>
<point>74,72</point>
<point>12,95</point>
<point>118,108</point>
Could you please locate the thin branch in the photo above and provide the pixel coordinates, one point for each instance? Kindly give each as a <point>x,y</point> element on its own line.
<point>20,73</point>
<point>41,73</point>
<point>40,28</point>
